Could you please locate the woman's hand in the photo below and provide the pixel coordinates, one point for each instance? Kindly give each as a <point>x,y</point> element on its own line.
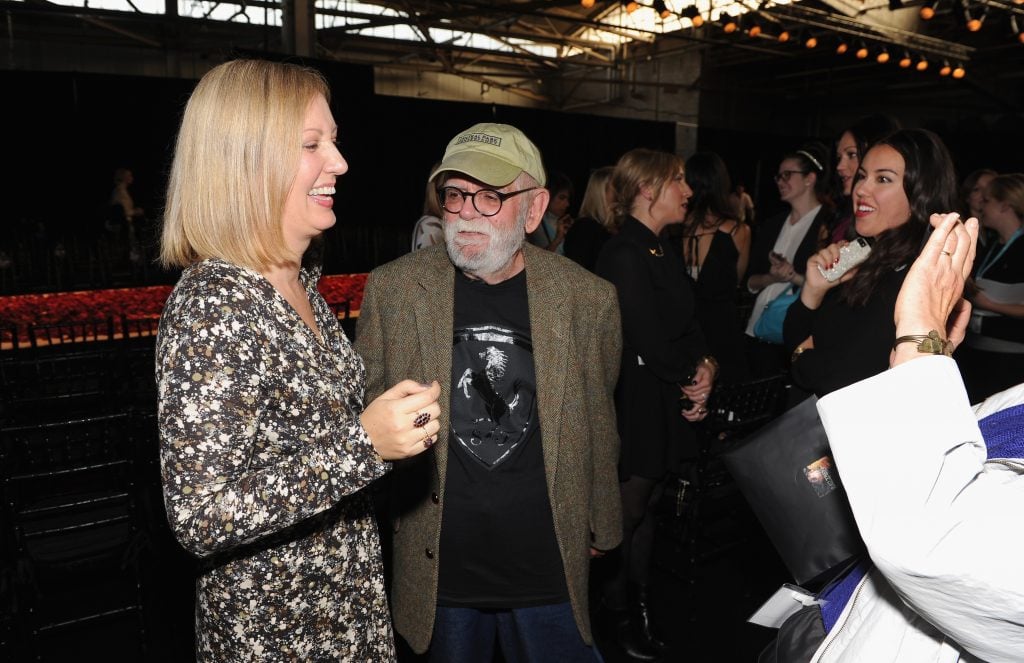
<point>391,419</point>
<point>815,284</point>
<point>698,391</point>
<point>781,270</point>
<point>931,296</point>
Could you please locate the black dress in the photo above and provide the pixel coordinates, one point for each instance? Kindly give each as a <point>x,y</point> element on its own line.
<point>715,286</point>
<point>661,345</point>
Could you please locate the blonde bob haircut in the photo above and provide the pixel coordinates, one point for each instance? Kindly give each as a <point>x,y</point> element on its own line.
<point>638,168</point>
<point>235,159</point>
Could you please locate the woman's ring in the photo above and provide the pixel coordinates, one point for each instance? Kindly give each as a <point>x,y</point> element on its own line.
<point>946,253</point>
<point>421,420</point>
<point>702,410</point>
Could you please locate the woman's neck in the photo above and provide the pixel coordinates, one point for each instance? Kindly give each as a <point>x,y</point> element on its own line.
<point>647,220</point>
<point>1007,228</point>
<point>801,206</point>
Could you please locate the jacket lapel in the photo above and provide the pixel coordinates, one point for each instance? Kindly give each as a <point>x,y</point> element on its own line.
<point>434,308</point>
<point>550,331</point>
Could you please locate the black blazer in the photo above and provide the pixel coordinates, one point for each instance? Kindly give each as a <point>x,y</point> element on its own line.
<point>766,233</point>
<point>659,328</point>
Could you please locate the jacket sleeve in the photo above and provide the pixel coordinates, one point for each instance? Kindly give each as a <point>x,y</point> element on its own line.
<point>669,351</point>
<point>941,523</point>
<point>217,421</point>
<point>606,348</point>
<point>370,339</point>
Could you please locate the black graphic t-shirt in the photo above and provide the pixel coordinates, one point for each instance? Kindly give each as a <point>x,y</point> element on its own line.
<point>498,546</point>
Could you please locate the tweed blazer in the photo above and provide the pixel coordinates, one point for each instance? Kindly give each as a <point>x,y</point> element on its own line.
<point>405,331</point>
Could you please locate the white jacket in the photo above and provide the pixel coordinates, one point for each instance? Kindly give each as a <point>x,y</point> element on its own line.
<point>943,524</point>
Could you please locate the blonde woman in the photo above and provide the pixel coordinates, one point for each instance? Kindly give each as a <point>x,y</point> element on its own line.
<point>265,444</point>
<point>664,360</point>
<point>592,227</point>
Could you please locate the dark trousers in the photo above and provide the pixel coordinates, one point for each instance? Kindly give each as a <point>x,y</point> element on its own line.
<point>545,634</point>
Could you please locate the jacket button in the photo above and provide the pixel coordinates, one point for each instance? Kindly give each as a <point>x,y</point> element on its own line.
<point>430,554</point>
<point>435,498</point>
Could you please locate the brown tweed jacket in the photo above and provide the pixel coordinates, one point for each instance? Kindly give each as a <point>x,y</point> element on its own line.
<point>405,331</point>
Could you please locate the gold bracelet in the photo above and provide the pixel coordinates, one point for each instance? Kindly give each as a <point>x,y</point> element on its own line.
<point>796,353</point>
<point>930,343</point>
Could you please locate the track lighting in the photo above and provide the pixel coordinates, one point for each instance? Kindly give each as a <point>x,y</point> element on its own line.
<point>862,52</point>
<point>882,57</point>
<point>927,11</point>
<point>842,47</point>
<point>905,61</point>
<point>784,36</point>
<point>587,4</point>
<point>922,64</point>
<point>946,69</point>
<point>959,72</point>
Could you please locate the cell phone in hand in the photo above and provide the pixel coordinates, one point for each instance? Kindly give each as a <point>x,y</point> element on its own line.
<point>850,256</point>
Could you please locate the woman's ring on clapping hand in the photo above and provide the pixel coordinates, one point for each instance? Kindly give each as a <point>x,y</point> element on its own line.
<point>421,420</point>
<point>946,253</point>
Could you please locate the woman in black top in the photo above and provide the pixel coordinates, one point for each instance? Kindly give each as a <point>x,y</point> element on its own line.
<point>992,358</point>
<point>842,332</point>
<point>716,248</point>
<point>664,358</point>
<point>592,226</point>
<point>783,243</point>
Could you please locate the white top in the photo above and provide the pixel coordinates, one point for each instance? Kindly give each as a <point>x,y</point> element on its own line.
<point>941,522</point>
<point>428,231</point>
<point>786,244</point>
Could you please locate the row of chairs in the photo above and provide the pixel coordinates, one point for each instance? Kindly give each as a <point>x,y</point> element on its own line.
<point>82,530</point>
<point>75,506</point>
<point>77,464</point>
<point>70,334</point>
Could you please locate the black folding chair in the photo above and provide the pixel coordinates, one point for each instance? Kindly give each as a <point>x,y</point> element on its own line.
<point>70,504</point>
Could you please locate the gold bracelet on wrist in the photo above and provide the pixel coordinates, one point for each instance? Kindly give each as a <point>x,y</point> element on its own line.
<point>930,343</point>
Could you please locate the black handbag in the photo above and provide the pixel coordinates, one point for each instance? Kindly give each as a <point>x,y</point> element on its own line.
<point>786,472</point>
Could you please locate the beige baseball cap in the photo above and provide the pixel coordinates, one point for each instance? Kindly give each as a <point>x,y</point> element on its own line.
<point>494,154</point>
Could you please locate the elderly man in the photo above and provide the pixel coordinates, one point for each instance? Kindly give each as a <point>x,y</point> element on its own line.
<point>494,530</point>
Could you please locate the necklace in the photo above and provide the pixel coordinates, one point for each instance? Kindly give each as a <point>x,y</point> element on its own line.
<point>658,252</point>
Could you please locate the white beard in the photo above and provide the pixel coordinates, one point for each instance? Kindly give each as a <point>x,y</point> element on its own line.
<point>502,246</point>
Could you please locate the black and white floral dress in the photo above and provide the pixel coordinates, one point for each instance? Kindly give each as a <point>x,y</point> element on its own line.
<point>264,467</point>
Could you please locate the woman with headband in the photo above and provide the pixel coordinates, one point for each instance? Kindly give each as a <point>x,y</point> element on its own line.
<point>783,243</point>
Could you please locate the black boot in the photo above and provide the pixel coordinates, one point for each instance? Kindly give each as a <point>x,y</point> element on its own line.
<point>632,641</point>
<point>643,618</point>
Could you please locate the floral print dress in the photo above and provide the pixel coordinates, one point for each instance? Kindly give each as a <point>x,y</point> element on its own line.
<point>264,466</point>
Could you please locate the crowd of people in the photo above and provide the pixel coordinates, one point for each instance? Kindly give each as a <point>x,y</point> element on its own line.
<point>529,379</point>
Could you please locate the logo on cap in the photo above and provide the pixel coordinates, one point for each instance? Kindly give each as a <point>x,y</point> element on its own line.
<point>479,138</point>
